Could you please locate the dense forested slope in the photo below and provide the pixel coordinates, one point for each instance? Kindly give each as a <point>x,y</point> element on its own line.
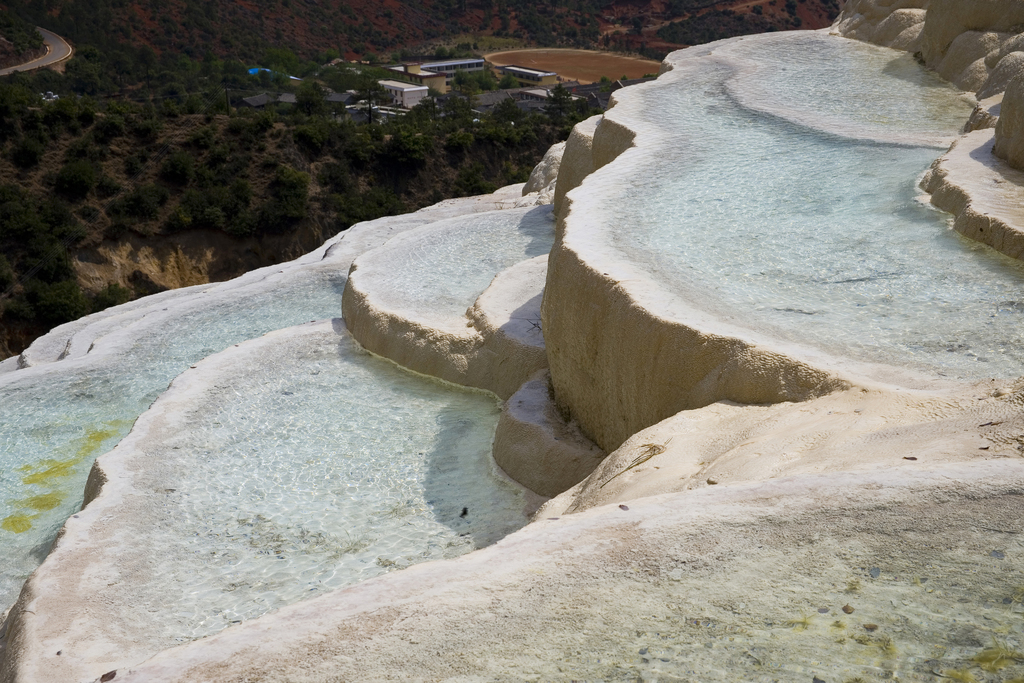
<point>377,28</point>
<point>19,41</point>
<point>111,191</point>
<point>86,190</point>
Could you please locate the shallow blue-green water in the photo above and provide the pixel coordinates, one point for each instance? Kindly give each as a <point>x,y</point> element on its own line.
<point>56,420</point>
<point>811,228</point>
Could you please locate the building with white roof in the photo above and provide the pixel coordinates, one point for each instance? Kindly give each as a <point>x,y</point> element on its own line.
<point>449,67</point>
<point>528,77</point>
<point>404,94</point>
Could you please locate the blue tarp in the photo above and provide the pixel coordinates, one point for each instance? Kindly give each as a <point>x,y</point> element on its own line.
<point>256,69</point>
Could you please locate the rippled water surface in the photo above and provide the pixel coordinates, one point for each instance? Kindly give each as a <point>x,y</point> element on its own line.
<point>320,467</point>
<point>805,232</point>
<point>450,263</point>
<point>52,426</point>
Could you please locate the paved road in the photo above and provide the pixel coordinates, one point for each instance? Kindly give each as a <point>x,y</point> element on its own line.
<point>57,50</point>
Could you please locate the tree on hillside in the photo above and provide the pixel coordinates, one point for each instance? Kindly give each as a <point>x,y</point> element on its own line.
<point>311,99</point>
<point>372,93</point>
<point>508,81</point>
<point>559,104</point>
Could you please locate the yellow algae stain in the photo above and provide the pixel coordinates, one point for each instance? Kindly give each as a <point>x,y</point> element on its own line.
<point>47,472</point>
<point>42,502</point>
<point>89,444</point>
<point>53,469</point>
<point>17,524</point>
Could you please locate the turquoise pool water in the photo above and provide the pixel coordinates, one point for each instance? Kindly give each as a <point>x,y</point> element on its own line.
<point>439,270</point>
<point>811,228</point>
<point>57,419</point>
<point>308,466</point>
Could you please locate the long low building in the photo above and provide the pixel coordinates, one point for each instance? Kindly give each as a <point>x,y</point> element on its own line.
<point>437,75</point>
<point>450,67</point>
<point>527,76</point>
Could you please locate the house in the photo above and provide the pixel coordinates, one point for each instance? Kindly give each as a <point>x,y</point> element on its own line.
<point>528,77</point>
<point>256,101</point>
<point>486,101</point>
<point>537,94</point>
<point>343,98</point>
<point>405,95</point>
<point>414,73</point>
<point>263,99</point>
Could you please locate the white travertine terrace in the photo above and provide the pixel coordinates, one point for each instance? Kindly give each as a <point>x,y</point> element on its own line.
<point>535,446</point>
<point>976,44</point>
<point>545,174</point>
<point>113,570</point>
<point>765,510</point>
<point>984,193</point>
<point>402,304</point>
<point>88,613</point>
<point>965,41</point>
<point>92,344</point>
<point>1009,134</point>
<point>730,583</point>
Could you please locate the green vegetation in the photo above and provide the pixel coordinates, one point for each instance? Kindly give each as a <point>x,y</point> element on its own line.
<point>147,140</point>
<point>84,172</point>
<point>19,33</point>
<point>716,25</point>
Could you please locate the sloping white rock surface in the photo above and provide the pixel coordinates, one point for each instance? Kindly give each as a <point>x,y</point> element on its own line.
<point>411,300</point>
<point>292,465</point>
<point>982,191</point>
<point>895,574</point>
<point>82,385</point>
<point>848,431</point>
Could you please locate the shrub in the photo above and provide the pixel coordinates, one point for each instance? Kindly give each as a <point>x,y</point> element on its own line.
<point>311,99</point>
<point>144,203</point>
<point>17,308</point>
<point>336,177</point>
<point>460,140</point>
<point>313,136</point>
<point>287,203</point>
<point>27,152</point>
<point>109,127</point>
<point>76,179</point>
<point>111,295</point>
<point>107,186</point>
<point>178,168</point>
<point>133,165</point>
<point>407,147</point>
<point>204,137</point>
<point>470,181</point>
<point>83,148</point>
<point>169,109</point>
<point>7,276</point>
<point>373,203</point>
<point>57,303</point>
<point>147,129</point>
<point>291,190</point>
<point>117,229</point>
<point>214,208</point>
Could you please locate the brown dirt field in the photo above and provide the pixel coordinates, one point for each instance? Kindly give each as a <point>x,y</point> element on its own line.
<point>585,66</point>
